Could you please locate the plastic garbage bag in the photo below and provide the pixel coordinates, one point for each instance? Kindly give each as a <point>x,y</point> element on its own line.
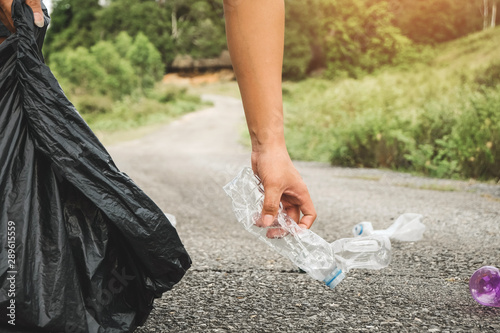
<point>82,248</point>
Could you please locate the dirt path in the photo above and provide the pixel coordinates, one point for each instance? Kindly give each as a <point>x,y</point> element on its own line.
<point>237,285</point>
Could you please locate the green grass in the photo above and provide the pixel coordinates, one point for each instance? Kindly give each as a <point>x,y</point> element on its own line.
<point>439,117</point>
<point>223,88</point>
<point>129,117</point>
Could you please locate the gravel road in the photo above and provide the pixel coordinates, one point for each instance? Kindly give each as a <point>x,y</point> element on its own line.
<point>237,284</point>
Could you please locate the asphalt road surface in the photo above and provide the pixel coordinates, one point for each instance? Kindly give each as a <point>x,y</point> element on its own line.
<point>237,284</point>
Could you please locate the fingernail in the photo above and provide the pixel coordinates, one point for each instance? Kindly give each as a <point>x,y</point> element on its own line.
<point>267,220</point>
<point>39,20</point>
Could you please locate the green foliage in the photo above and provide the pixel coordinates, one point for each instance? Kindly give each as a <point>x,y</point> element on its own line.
<point>123,42</point>
<point>298,51</point>
<point>489,76</point>
<point>121,75</point>
<point>92,104</point>
<point>137,111</point>
<point>109,75</point>
<point>441,120</point>
<point>199,29</point>
<point>347,37</point>
<point>170,93</point>
<point>79,71</point>
<point>103,70</point>
<point>146,61</point>
<point>436,21</point>
<point>468,143</point>
<point>132,17</point>
<point>72,25</point>
<point>194,27</point>
<point>360,37</point>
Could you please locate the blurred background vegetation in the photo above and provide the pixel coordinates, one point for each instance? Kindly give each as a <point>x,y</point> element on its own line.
<point>411,85</point>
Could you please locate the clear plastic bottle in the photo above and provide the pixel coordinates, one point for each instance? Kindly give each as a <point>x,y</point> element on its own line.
<point>321,260</point>
<point>484,286</point>
<point>407,228</point>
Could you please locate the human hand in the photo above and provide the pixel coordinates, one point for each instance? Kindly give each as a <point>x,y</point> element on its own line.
<point>6,13</point>
<point>281,182</point>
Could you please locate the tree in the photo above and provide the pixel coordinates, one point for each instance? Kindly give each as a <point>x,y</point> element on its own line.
<point>489,21</point>
<point>300,39</point>
<point>494,13</point>
<point>79,71</point>
<point>435,21</point>
<point>111,68</point>
<point>146,61</point>
<point>120,77</point>
<point>134,16</point>
<point>493,21</point>
<point>194,27</point>
<point>72,25</point>
<point>486,7</point>
<point>197,27</point>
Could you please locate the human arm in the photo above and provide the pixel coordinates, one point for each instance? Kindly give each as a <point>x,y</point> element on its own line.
<point>255,34</point>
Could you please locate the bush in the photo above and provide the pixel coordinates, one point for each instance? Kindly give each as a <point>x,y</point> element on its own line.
<point>169,93</point>
<point>489,76</point>
<point>79,71</point>
<point>297,53</point>
<point>474,141</point>
<point>113,92</point>
<point>429,122</point>
<point>347,37</point>
<point>121,78</point>
<point>374,139</point>
<point>298,41</point>
<point>93,104</point>
<point>146,60</point>
<point>360,37</point>
<point>102,69</point>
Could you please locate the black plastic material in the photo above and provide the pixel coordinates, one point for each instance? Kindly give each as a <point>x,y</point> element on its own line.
<point>92,251</point>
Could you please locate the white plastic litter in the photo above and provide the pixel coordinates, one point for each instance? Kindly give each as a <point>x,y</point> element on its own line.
<point>322,261</point>
<point>407,228</point>
<point>172,219</point>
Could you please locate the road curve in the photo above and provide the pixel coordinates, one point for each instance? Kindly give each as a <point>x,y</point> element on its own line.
<point>237,284</point>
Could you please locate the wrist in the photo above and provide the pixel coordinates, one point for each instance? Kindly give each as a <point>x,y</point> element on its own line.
<point>267,141</point>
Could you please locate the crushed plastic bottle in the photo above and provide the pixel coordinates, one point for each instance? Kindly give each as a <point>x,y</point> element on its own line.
<point>406,228</point>
<point>484,286</point>
<point>311,253</point>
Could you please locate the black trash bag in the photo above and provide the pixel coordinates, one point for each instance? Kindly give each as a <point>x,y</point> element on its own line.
<point>82,248</point>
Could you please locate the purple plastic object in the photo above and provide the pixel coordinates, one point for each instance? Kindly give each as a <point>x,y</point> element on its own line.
<point>484,286</point>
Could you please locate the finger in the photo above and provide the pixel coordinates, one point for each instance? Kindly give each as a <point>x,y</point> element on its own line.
<point>2,39</point>
<point>293,212</point>
<point>307,208</point>
<point>36,6</point>
<point>276,233</point>
<point>270,209</point>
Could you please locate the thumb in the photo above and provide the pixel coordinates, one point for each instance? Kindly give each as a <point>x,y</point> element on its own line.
<point>36,6</point>
<point>271,206</point>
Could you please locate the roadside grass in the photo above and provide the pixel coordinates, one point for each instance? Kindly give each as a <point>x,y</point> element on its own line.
<point>440,118</point>
<point>223,88</point>
<point>135,115</point>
